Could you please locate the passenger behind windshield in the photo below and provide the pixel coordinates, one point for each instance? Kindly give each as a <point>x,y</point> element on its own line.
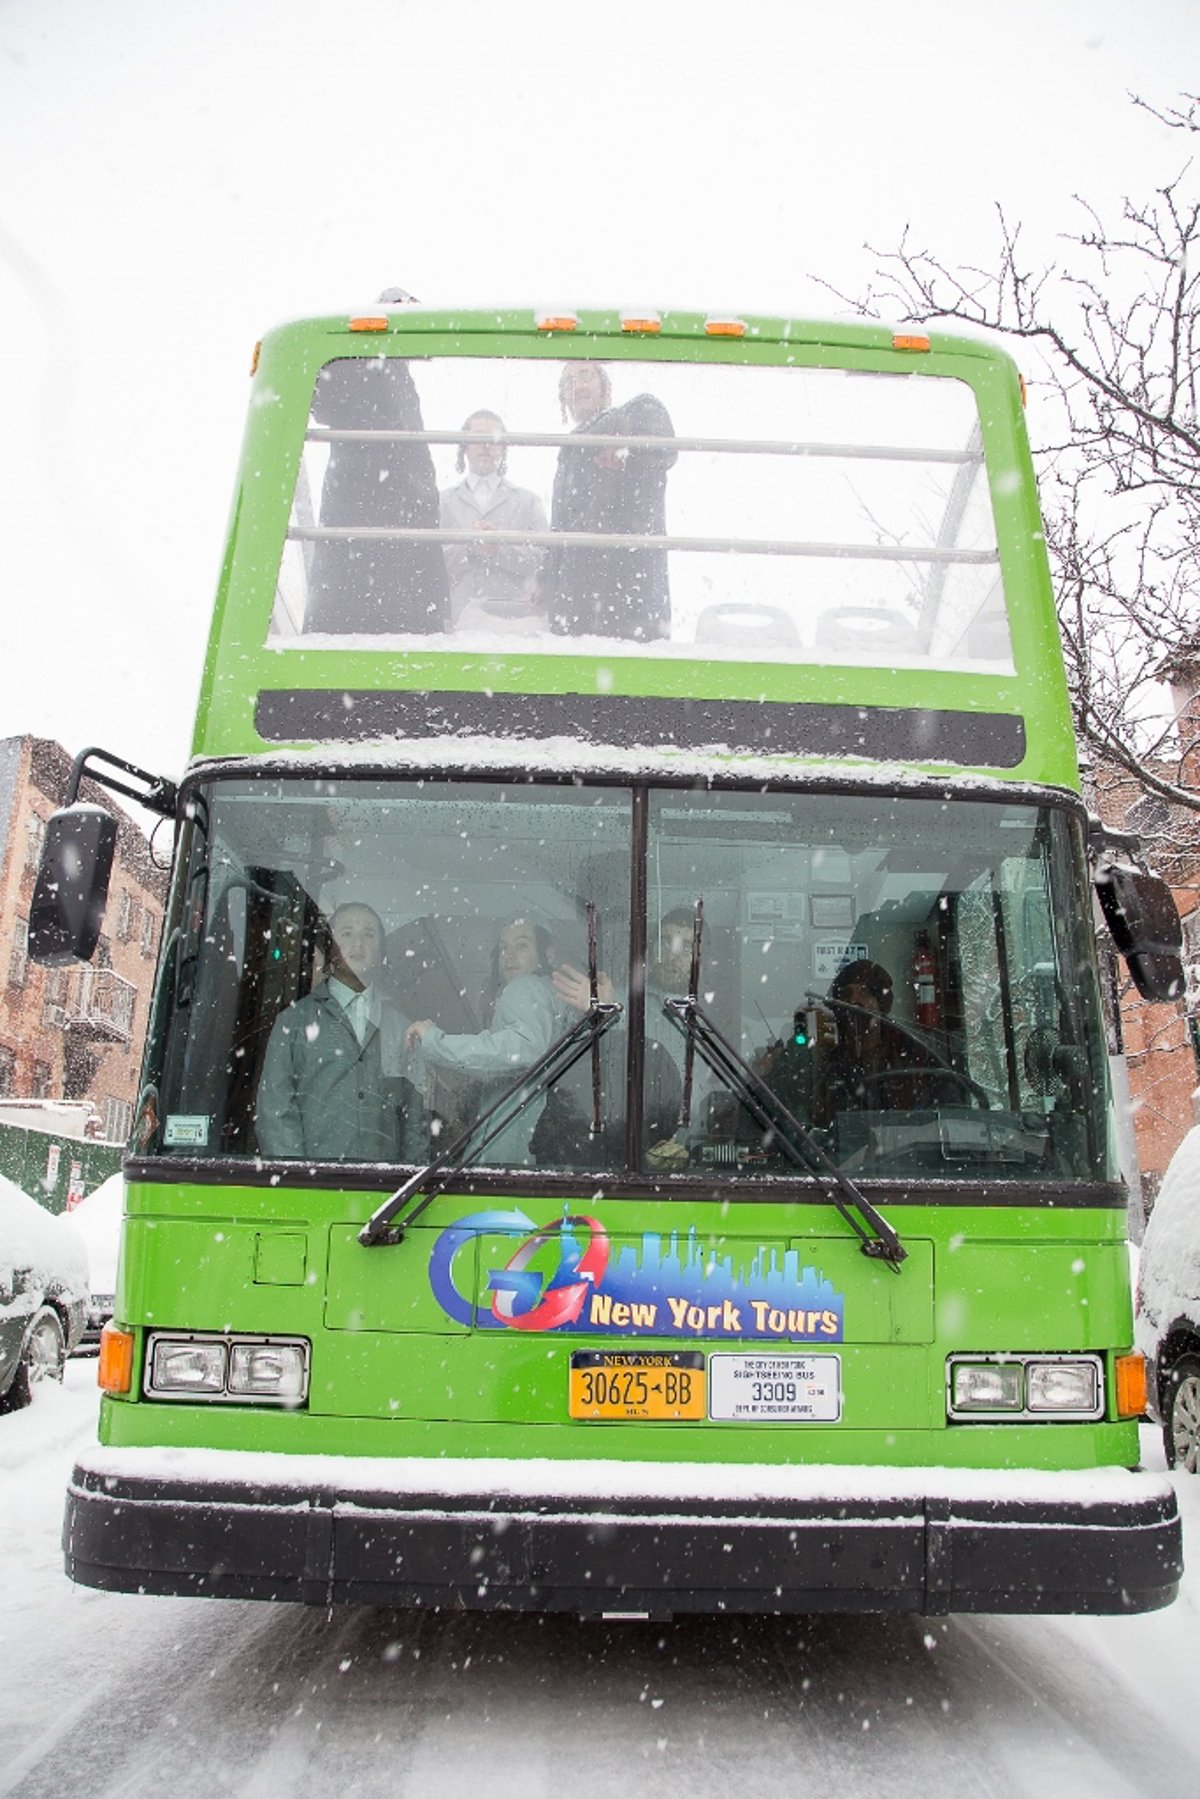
<point>490,583</point>
<point>611,591</point>
<point>864,1060</point>
<point>524,1017</point>
<point>668,975</point>
<point>339,1081</point>
<point>359,584</point>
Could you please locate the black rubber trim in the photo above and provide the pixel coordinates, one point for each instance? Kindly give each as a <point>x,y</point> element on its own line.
<point>880,733</point>
<point>322,1546</point>
<point>366,1177</point>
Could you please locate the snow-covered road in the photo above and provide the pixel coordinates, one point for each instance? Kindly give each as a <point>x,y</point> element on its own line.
<point>111,1695</point>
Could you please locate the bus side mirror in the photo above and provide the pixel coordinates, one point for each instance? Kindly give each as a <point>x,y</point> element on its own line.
<point>67,910</point>
<point>1143,920</point>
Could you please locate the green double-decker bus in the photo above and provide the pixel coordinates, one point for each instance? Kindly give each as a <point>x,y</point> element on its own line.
<point>626,1122</point>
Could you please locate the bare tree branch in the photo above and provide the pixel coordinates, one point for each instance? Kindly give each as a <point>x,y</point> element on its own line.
<point>1117,324</point>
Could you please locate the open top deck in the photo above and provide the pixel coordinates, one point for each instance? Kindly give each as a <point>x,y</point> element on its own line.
<point>755,536</point>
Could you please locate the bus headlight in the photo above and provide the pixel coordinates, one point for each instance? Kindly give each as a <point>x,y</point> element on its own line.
<point>186,1367</point>
<point>244,1370</point>
<point>1062,1387</point>
<point>268,1370</point>
<point>1012,1388</point>
<point>987,1387</point>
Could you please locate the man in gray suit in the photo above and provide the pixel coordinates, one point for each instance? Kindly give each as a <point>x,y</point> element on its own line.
<point>338,1084</point>
<point>490,583</point>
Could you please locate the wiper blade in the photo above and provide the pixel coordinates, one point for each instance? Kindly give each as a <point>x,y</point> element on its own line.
<point>390,1222</point>
<point>796,1140</point>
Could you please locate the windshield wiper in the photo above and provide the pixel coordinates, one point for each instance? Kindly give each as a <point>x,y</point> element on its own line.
<point>768,1111</point>
<point>390,1222</point>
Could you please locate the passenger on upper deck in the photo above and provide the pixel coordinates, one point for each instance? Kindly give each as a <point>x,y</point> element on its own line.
<point>608,592</point>
<point>339,1083</point>
<point>375,584</point>
<point>524,1015</point>
<point>490,583</point>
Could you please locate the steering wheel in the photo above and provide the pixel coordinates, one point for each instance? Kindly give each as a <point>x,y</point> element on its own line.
<point>939,1072</point>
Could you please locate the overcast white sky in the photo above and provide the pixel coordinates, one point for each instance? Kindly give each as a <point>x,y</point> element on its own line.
<point>176,177</point>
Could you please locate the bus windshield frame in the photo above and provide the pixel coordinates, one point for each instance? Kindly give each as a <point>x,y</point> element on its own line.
<point>998,1073</point>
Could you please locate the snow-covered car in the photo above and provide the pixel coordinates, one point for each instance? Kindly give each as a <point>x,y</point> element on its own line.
<point>1168,1306</point>
<point>43,1294</point>
<point>97,1218</point>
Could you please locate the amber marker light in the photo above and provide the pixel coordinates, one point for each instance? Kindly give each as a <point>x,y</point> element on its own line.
<point>255,357</point>
<point>909,341</point>
<point>1130,1371</point>
<point>369,322</point>
<point>115,1373</point>
<point>719,327</point>
<point>641,321</point>
<point>556,321</point>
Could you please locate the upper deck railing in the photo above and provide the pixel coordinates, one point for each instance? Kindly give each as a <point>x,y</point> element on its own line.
<point>804,517</point>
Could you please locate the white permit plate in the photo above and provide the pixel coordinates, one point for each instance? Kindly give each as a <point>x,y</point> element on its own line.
<point>775,1389</point>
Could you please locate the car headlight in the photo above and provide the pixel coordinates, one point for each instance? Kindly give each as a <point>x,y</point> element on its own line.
<point>246,1370</point>
<point>1012,1388</point>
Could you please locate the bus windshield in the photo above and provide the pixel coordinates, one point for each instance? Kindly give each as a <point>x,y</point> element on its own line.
<point>674,509</point>
<point>357,966</point>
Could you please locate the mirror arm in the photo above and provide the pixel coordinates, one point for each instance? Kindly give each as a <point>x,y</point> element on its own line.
<point>157,794</point>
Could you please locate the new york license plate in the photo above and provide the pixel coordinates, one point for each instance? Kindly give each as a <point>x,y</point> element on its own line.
<point>661,1385</point>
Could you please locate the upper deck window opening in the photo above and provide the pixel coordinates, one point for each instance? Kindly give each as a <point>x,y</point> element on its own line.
<point>671,509</point>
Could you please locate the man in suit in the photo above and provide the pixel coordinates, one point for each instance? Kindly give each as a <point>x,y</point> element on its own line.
<point>338,1083</point>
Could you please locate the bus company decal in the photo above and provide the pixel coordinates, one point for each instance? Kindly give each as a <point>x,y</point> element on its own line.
<point>568,1276</point>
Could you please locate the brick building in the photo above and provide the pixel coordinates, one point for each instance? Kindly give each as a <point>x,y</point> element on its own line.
<point>76,1032</point>
<point>1162,1042</point>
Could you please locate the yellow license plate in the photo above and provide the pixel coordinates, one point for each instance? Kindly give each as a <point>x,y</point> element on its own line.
<point>661,1385</point>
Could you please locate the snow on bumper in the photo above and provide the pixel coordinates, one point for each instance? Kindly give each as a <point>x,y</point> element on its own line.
<point>620,1537</point>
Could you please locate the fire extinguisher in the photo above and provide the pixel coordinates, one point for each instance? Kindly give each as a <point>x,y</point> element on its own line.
<point>924,980</point>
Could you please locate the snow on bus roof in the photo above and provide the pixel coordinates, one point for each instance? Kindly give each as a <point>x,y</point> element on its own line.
<point>569,756</point>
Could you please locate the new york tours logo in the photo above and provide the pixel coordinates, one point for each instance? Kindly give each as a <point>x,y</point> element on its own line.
<point>501,1271</point>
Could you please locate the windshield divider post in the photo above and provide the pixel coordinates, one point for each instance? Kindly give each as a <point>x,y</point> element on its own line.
<point>597,1124</point>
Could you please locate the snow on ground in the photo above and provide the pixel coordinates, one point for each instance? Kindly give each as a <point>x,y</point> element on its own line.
<point>120,1695</point>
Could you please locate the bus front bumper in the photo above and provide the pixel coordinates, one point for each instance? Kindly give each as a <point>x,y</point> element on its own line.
<point>620,1538</point>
